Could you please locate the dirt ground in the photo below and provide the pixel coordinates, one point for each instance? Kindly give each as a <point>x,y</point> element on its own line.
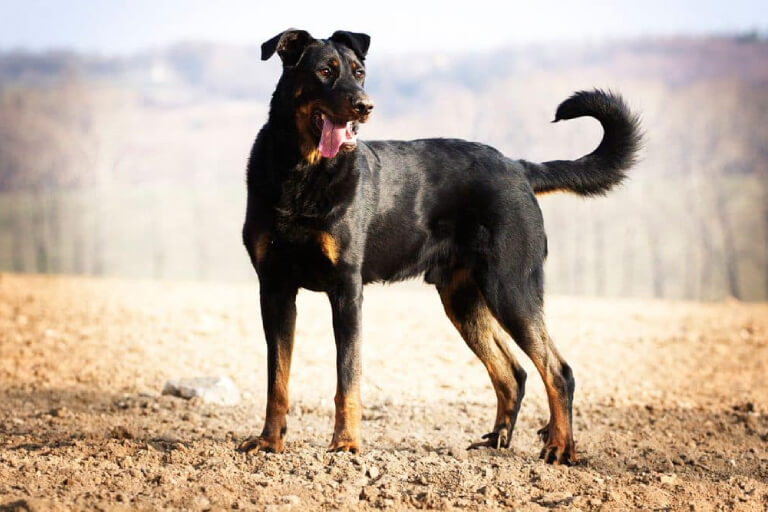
<point>671,406</point>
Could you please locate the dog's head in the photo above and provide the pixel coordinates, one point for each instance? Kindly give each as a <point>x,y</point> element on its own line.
<point>322,82</point>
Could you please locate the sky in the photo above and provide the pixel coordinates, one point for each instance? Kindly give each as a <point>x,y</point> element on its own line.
<point>123,27</point>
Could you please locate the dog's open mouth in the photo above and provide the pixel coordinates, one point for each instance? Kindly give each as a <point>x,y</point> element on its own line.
<point>333,135</point>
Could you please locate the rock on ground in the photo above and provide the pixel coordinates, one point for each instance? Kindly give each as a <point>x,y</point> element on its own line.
<point>212,390</point>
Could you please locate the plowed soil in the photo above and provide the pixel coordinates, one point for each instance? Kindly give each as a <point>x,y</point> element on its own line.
<point>671,406</point>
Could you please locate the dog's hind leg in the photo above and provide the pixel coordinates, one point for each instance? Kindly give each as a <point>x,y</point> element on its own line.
<point>466,308</point>
<point>520,311</point>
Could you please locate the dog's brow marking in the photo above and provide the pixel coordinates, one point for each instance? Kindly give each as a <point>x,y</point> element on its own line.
<point>354,65</point>
<point>328,246</point>
<point>334,63</point>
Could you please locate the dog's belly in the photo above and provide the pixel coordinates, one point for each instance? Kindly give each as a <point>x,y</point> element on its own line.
<point>395,249</point>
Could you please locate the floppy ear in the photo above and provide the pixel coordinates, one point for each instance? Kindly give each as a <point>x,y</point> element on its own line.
<point>289,45</point>
<point>356,41</point>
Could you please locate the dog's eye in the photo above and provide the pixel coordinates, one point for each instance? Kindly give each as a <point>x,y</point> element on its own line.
<point>359,74</point>
<point>325,72</point>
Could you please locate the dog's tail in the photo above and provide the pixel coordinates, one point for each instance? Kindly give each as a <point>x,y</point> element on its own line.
<point>598,172</point>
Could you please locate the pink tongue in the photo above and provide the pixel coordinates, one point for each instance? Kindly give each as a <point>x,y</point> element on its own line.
<point>332,137</point>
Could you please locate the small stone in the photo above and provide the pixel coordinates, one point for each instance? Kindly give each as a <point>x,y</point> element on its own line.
<point>373,472</point>
<point>369,493</point>
<point>202,503</point>
<point>556,499</point>
<point>458,452</point>
<point>168,438</point>
<point>668,479</point>
<point>59,412</point>
<point>213,390</point>
<point>488,490</point>
<point>125,462</point>
<point>290,499</point>
<point>121,432</point>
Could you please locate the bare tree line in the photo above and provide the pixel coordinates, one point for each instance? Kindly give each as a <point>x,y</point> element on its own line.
<point>93,181</point>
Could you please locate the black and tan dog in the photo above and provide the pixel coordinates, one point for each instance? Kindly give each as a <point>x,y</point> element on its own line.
<point>330,213</point>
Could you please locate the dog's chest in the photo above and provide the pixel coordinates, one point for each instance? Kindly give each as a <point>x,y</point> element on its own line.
<point>310,260</point>
<point>296,238</point>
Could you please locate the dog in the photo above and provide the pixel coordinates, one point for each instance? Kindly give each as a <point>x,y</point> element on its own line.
<point>328,212</point>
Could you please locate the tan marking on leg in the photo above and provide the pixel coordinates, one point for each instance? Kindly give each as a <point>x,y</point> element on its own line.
<point>271,438</point>
<point>486,339</point>
<point>459,278</point>
<point>349,411</point>
<point>558,433</point>
<point>278,400</point>
<point>328,246</point>
<point>262,245</point>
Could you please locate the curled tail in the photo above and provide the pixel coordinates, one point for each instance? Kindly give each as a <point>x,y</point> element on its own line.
<point>602,169</point>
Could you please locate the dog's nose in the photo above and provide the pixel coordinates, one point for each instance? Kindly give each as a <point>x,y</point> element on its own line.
<point>363,106</point>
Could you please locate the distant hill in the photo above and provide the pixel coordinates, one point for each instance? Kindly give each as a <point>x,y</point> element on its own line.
<point>238,72</point>
<point>105,162</point>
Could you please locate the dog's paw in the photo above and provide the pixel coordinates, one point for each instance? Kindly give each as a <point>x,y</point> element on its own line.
<point>500,438</point>
<point>260,444</point>
<point>563,454</point>
<point>344,446</point>
<point>556,451</point>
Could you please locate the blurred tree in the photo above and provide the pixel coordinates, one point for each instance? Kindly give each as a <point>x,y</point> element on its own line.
<point>57,138</point>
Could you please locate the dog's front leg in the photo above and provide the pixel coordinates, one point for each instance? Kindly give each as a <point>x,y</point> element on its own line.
<point>346,304</point>
<point>278,314</point>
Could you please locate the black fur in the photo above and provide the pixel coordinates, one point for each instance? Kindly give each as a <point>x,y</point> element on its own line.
<point>391,210</point>
<point>599,171</point>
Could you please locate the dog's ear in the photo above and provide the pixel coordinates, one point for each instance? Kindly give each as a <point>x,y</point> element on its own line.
<point>356,41</point>
<point>289,45</point>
